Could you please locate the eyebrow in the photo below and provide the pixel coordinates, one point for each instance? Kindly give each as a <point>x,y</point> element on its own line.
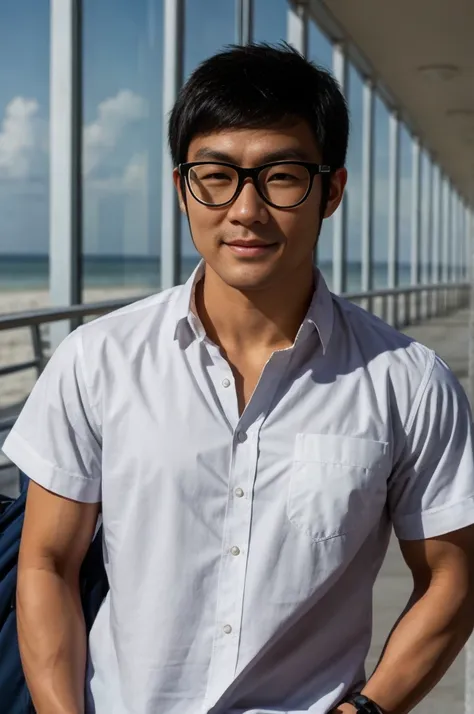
<point>285,154</point>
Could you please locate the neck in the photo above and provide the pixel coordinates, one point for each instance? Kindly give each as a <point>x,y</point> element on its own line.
<point>255,320</point>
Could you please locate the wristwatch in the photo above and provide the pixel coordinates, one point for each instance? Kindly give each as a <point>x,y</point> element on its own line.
<point>363,704</point>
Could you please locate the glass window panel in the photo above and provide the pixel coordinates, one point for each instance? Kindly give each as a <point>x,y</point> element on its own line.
<point>217,28</point>
<point>353,196</point>
<point>319,47</point>
<point>24,180</point>
<point>270,20</point>
<point>380,217</point>
<point>122,68</point>
<point>406,192</point>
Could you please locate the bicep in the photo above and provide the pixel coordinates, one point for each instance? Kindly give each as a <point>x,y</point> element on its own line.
<point>449,556</point>
<point>57,531</point>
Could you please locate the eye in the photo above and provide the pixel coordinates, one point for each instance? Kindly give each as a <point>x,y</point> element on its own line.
<point>216,177</point>
<point>283,177</point>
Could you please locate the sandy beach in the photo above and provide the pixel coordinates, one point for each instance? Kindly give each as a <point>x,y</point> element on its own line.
<point>16,345</point>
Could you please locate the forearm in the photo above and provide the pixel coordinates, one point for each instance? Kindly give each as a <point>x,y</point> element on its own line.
<point>421,648</point>
<point>52,640</point>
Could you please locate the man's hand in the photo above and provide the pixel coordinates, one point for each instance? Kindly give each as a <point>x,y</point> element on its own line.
<point>344,709</point>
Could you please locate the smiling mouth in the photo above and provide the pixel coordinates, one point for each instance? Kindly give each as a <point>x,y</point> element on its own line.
<point>250,249</point>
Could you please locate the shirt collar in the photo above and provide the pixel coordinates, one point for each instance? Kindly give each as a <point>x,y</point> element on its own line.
<point>320,314</point>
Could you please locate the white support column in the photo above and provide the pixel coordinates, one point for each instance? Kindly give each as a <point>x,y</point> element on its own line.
<point>427,225</point>
<point>297,26</point>
<point>393,213</point>
<point>65,249</point>
<point>244,24</point>
<point>416,224</point>
<point>172,80</point>
<point>339,261</point>
<point>454,235</point>
<point>469,225</point>
<point>368,127</point>
<point>446,229</point>
<point>436,244</point>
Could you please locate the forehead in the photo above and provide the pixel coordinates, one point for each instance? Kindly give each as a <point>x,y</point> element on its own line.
<point>250,147</point>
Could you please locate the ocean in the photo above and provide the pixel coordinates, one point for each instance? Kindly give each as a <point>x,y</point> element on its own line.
<point>21,273</point>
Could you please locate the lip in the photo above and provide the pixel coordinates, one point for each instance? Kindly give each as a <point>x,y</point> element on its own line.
<point>250,248</point>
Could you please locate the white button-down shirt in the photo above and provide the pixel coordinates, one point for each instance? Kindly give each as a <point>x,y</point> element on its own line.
<point>242,551</point>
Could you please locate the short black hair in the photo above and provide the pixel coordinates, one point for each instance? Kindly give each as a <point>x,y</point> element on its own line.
<point>256,86</point>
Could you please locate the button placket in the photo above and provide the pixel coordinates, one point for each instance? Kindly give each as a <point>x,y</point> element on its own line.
<point>233,569</point>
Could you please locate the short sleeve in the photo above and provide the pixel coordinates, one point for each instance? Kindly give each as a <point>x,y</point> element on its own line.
<point>56,440</point>
<point>431,491</point>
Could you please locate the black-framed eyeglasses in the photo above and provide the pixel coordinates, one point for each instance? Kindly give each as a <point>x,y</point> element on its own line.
<point>282,184</point>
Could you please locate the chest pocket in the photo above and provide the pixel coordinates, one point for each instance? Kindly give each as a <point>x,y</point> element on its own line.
<point>337,485</point>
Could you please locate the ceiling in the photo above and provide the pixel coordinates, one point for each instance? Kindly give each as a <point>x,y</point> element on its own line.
<point>393,39</point>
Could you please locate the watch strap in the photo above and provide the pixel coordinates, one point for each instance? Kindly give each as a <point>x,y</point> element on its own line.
<point>363,704</point>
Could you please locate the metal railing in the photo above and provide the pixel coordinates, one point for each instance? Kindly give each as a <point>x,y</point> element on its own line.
<point>411,303</point>
<point>406,306</point>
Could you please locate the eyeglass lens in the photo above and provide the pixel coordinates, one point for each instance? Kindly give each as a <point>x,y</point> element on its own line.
<point>282,185</point>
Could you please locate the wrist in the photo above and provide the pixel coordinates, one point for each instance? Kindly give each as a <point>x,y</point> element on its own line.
<point>345,708</point>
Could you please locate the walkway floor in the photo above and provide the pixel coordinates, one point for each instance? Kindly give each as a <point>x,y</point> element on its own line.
<point>449,337</point>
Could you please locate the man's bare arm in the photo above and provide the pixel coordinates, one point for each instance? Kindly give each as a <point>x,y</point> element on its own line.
<point>434,627</point>
<point>56,535</point>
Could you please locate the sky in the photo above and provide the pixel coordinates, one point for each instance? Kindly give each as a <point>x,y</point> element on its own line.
<point>123,124</point>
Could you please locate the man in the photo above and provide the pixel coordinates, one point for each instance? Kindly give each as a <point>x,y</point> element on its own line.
<point>250,438</point>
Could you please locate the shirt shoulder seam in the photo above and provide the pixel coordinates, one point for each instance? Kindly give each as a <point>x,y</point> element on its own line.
<point>421,390</point>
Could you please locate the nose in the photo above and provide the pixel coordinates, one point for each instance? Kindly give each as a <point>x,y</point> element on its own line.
<point>248,207</point>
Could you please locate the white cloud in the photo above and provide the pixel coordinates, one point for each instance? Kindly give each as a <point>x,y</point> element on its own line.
<point>22,140</point>
<point>24,136</point>
<point>113,116</point>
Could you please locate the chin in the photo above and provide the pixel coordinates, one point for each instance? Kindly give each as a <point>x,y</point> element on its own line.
<point>248,278</point>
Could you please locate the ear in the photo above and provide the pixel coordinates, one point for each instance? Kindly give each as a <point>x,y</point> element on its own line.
<point>336,191</point>
<point>177,183</point>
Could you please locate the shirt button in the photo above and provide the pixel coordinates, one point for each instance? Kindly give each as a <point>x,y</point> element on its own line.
<point>226,383</point>
<point>239,493</point>
<point>241,436</point>
<point>227,629</point>
<point>235,550</point>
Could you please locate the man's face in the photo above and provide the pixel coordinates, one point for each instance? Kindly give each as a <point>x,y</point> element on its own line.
<point>280,241</point>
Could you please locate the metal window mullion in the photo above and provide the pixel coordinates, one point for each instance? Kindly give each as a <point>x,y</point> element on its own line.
<point>368,126</point>
<point>339,284</point>
<point>297,26</point>
<point>393,213</point>
<point>244,24</point>
<point>172,79</point>
<point>65,245</point>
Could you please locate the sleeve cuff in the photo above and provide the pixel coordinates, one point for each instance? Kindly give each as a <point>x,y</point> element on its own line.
<point>51,477</point>
<point>435,522</point>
